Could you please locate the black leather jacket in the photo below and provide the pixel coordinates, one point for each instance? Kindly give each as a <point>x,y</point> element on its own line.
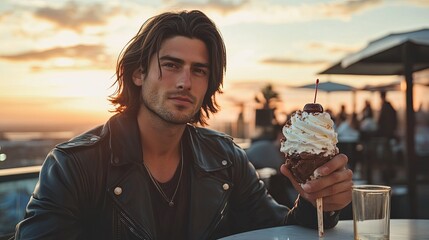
<point>92,187</point>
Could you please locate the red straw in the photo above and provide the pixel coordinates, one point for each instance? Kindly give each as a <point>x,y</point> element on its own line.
<point>315,94</point>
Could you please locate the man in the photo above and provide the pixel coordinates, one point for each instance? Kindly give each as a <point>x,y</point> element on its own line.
<point>264,153</point>
<point>265,156</point>
<point>149,173</point>
<point>386,133</point>
<point>387,120</point>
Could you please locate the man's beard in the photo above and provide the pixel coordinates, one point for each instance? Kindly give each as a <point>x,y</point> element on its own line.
<point>164,113</point>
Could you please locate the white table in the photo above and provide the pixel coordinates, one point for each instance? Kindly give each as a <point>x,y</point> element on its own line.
<point>400,229</point>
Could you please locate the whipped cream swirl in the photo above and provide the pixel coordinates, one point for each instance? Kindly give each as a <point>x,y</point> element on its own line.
<point>310,132</point>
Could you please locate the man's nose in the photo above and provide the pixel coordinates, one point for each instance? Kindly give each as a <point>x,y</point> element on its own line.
<point>184,81</point>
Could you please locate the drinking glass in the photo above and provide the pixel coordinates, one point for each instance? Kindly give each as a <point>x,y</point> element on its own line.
<point>371,212</point>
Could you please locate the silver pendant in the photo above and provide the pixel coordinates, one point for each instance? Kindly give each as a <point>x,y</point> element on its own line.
<point>171,204</point>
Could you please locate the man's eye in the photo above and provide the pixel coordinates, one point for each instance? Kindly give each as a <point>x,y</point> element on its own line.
<point>200,71</point>
<point>170,65</point>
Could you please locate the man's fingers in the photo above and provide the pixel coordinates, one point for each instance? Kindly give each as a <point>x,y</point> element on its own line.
<point>338,162</point>
<point>317,185</point>
<point>332,190</point>
<point>285,171</point>
<point>337,202</point>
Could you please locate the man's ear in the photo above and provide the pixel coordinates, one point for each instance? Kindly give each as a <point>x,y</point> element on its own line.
<point>138,77</point>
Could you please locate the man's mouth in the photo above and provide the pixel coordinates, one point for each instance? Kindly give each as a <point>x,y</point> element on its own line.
<point>182,99</point>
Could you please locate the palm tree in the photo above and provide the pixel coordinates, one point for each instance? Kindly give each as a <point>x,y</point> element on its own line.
<point>267,97</point>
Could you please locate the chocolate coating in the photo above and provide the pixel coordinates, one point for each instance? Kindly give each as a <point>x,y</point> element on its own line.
<point>302,165</point>
<point>313,108</point>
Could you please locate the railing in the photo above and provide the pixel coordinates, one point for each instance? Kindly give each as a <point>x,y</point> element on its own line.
<point>16,187</point>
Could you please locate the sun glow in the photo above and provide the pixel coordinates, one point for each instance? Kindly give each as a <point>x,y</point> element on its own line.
<point>59,68</point>
<point>63,62</point>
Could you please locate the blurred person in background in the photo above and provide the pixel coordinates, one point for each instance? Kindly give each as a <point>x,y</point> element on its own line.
<point>151,172</point>
<point>348,136</point>
<point>267,159</point>
<point>341,116</point>
<point>265,153</point>
<point>368,125</point>
<point>387,120</point>
<point>387,124</point>
<point>367,132</point>
<point>422,133</point>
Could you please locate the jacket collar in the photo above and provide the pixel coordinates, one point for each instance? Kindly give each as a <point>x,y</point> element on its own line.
<point>124,138</point>
<point>208,152</point>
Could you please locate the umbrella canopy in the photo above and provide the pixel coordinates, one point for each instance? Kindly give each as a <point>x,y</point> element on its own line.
<point>329,87</point>
<point>393,86</point>
<point>394,54</point>
<point>385,56</point>
<point>387,87</point>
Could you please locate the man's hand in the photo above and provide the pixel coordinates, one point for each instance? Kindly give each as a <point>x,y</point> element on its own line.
<point>334,184</point>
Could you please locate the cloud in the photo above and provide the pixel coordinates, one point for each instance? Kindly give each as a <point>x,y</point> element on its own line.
<point>263,12</point>
<point>77,16</point>
<point>248,11</point>
<point>292,62</point>
<point>60,58</point>
<point>4,15</point>
<point>334,48</point>
<point>327,49</point>
<point>78,51</point>
<point>423,3</point>
<point>222,6</point>
<point>347,8</point>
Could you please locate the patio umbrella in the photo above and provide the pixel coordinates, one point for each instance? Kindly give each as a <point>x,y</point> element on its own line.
<point>395,54</point>
<point>329,87</point>
<point>393,86</point>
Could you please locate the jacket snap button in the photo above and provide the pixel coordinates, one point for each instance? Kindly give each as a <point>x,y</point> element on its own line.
<point>117,190</point>
<point>224,162</point>
<point>225,186</point>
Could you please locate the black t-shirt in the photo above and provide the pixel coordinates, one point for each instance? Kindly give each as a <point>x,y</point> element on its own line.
<point>172,222</point>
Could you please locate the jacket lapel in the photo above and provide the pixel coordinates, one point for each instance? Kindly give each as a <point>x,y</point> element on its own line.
<point>208,200</point>
<point>134,201</point>
<point>127,174</point>
<point>210,184</point>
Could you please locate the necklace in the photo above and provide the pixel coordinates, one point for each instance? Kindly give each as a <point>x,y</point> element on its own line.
<point>159,188</point>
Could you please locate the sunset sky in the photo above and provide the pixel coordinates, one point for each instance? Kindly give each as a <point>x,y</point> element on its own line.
<point>57,58</point>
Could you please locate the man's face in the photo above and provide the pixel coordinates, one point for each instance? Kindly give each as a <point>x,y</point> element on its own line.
<point>177,95</point>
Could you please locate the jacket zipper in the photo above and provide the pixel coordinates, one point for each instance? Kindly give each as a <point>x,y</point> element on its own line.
<point>131,226</point>
<point>128,223</point>
<point>221,215</point>
<point>118,225</point>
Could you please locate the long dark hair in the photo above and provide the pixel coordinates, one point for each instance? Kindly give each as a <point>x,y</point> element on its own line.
<point>147,42</point>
